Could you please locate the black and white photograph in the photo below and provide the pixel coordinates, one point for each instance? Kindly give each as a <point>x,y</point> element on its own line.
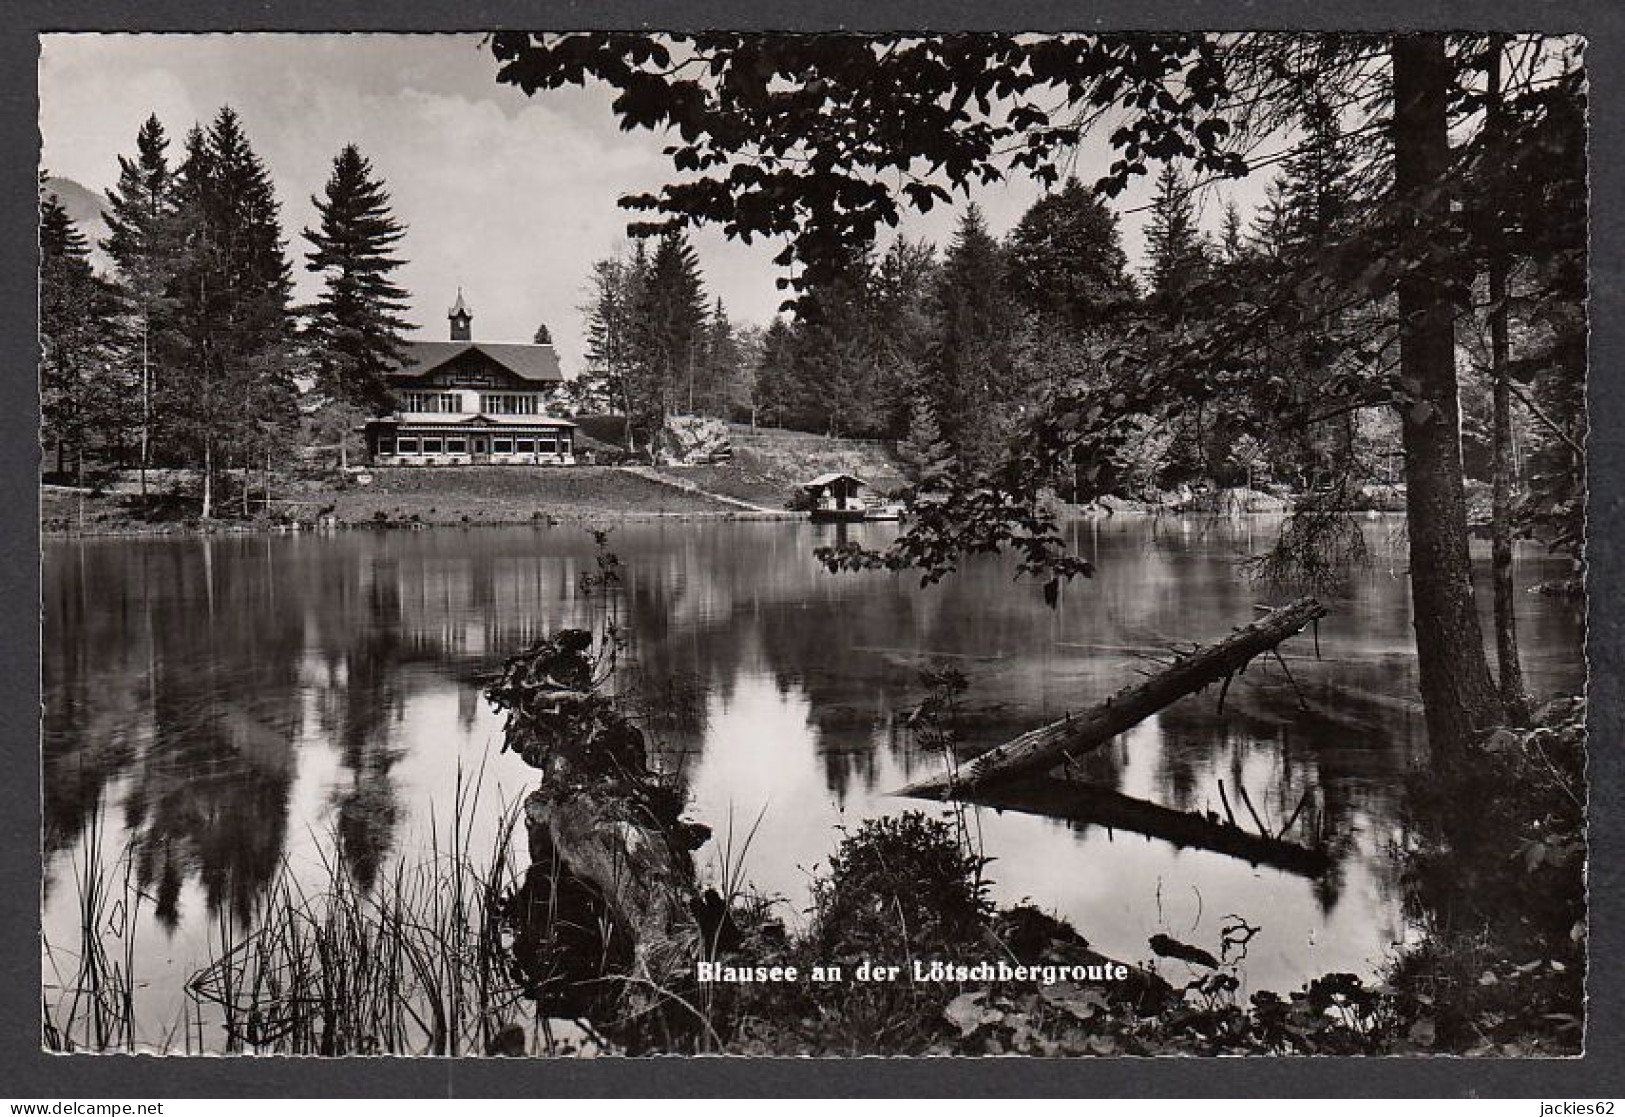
<point>566,544</point>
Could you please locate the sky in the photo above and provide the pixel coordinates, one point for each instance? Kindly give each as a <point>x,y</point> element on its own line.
<point>511,197</point>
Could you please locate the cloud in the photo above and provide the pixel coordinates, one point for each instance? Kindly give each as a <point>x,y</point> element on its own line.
<point>509,196</point>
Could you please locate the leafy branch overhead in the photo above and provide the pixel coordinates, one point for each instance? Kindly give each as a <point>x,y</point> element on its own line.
<point>822,139</point>
<point>1397,196</point>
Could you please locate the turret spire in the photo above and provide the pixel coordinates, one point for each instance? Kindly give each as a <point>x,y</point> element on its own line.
<point>462,318</point>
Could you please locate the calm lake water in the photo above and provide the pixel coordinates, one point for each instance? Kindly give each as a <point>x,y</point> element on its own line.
<point>224,706</point>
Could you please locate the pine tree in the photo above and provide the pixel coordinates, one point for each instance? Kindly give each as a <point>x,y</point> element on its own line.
<point>78,398</point>
<point>922,446</point>
<point>723,389</point>
<point>669,315</point>
<point>1174,244</point>
<point>1273,227</point>
<point>900,331</point>
<point>771,394</point>
<point>834,381</point>
<point>1232,239</point>
<point>1312,207</point>
<point>137,223</point>
<point>355,325</point>
<point>1317,187</point>
<point>970,379</point>
<point>613,334</point>
<point>228,340</point>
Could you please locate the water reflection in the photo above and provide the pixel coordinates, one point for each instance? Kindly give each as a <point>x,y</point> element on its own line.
<point>238,703</point>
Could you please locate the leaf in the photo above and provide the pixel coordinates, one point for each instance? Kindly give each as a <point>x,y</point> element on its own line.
<point>1102,1045</point>
<point>1424,1032</point>
<point>967,1013</point>
<point>1081,1002</point>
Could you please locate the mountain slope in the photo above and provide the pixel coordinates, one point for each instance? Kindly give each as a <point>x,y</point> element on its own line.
<point>85,208</point>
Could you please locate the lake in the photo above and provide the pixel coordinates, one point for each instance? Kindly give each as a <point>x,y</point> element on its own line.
<point>226,706</point>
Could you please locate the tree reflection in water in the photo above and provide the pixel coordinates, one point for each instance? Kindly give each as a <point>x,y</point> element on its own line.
<point>240,701</point>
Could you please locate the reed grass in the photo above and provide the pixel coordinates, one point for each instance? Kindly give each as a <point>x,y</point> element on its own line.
<point>88,994</point>
<point>416,965</point>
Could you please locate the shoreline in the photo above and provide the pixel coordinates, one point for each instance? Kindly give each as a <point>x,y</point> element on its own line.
<point>159,529</point>
<point>129,527</point>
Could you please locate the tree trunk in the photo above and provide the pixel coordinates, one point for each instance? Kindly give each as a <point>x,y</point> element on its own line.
<point>1506,621</point>
<point>146,406</point>
<point>1089,805</point>
<point>1457,692</point>
<point>208,480</point>
<point>626,403</point>
<point>637,868</point>
<point>1045,747</point>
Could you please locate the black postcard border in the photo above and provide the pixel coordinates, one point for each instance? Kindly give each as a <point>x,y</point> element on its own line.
<point>28,1074</point>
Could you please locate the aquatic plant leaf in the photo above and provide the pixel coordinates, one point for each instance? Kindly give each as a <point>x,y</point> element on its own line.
<point>967,1013</point>
<point>1081,1002</point>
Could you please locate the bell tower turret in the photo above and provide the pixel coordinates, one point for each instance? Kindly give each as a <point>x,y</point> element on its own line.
<point>462,319</point>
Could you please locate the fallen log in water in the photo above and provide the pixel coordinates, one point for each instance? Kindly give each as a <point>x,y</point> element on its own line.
<point>1049,745</point>
<point>1087,803</point>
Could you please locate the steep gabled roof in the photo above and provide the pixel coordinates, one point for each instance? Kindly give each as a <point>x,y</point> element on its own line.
<point>539,363</point>
<point>823,480</point>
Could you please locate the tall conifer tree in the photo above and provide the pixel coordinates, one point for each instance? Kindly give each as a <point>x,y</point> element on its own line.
<point>232,395</point>
<point>900,332</point>
<point>670,315</point>
<point>137,232</point>
<point>354,326</point>
<point>971,373</point>
<point>1174,245</point>
<point>78,400</point>
<point>612,289</point>
<point>722,365</point>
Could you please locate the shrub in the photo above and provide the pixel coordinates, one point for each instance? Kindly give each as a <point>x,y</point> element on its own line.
<point>900,884</point>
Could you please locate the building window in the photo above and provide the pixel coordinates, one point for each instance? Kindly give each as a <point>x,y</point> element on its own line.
<point>526,445</point>
<point>386,445</point>
<point>456,445</point>
<point>502,446</point>
<point>431,402</point>
<point>564,442</point>
<point>431,445</point>
<point>509,403</point>
<point>407,445</point>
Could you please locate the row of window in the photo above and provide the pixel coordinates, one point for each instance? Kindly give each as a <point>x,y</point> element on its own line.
<point>431,401</point>
<point>504,403</point>
<point>509,404</point>
<point>388,446</point>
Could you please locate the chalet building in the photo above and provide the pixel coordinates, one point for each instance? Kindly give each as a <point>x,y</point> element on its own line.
<point>467,402</point>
